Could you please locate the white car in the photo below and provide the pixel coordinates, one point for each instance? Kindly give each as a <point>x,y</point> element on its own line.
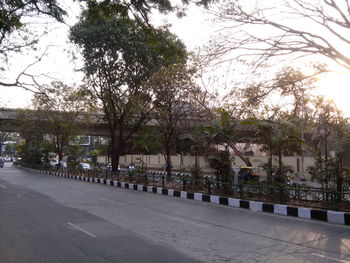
<point>7,159</point>
<point>84,166</point>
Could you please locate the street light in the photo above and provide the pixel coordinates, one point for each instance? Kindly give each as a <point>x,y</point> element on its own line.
<point>235,170</point>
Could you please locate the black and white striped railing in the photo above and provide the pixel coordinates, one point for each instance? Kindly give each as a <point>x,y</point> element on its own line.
<point>330,216</point>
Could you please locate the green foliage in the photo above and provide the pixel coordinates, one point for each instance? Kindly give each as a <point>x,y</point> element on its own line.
<point>74,154</point>
<point>147,141</point>
<point>94,155</point>
<point>127,51</point>
<point>46,148</point>
<point>172,87</point>
<point>277,138</point>
<point>197,172</point>
<point>10,149</point>
<point>3,137</point>
<point>61,107</point>
<point>141,8</point>
<point>119,55</point>
<point>221,162</point>
<point>330,133</point>
<point>280,173</point>
<point>12,17</point>
<point>285,96</point>
<point>196,142</point>
<point>30,152</point>
<point>325,171</point>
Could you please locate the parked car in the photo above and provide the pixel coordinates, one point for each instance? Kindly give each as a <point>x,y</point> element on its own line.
<point>7,159</point>
<point>84,166</point>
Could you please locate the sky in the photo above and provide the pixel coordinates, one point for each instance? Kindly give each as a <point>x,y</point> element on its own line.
<point>195,30</point>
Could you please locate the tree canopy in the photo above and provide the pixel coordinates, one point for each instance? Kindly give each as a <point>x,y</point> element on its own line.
<point>60,108</point>
<point>120,54</point>
<point>12,14</point>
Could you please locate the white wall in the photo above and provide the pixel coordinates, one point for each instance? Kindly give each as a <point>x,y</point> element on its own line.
<point>184,163</point>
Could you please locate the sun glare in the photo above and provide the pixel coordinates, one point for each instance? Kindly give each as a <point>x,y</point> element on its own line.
<point>336,86</point>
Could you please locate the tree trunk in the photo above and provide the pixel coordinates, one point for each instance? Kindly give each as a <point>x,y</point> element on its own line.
<point>60,158</point>
<point>196,165</point>
<point>115,153</point>
<point>167,160</point>
<point>280,162</point>
<point>339,179</point>
<point>269,167</point>
<point>240,154</point>
<point>326,161</point>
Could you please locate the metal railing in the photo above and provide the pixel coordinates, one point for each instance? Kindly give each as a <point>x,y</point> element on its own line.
<point>282,194</point>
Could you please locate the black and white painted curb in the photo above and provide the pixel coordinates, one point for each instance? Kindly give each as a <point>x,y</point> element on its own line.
<point>330,216</point>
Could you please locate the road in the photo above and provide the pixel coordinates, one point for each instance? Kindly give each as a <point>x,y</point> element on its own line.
<point>51,219</point>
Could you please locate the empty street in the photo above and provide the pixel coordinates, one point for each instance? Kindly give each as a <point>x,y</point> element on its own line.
<point>51,219</point>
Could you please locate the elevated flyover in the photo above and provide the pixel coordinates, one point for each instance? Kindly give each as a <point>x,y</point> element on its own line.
<point>11,120</point>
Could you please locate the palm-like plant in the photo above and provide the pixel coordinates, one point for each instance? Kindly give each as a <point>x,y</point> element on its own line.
<point>199,140</point>
<point>277,137</point>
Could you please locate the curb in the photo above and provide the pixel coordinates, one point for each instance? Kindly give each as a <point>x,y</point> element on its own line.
<point>330,216</point>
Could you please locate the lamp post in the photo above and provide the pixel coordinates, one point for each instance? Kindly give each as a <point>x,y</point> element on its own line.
<point>302,142</point>
<point>235,170</point>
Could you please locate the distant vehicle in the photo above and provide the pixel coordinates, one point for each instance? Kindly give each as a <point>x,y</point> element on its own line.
<point>54,162</point>
<point>248,173</point>
<point>7,159</point>
<point>84,166</point>
<point>109,167</point>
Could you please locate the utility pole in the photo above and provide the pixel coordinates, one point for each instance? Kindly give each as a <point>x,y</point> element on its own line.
<point>302,136</point>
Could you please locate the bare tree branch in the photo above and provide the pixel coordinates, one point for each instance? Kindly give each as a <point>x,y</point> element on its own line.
<point>298,28</point>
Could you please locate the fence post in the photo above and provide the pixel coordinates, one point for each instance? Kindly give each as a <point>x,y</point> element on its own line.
<point>162,180</point>
<point>281,195</point>
<point>145,179</point>
<point>183,184</point>
<point>334,199</point>
<point>240,188</point>
<point>208,183</point>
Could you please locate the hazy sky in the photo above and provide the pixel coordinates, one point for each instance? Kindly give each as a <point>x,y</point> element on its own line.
<point>58,63</point>
<point>195,30</point>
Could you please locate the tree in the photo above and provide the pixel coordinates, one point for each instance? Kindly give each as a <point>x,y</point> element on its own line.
<point>198,142</point>
<point>15,33</point>
<point>119,55</point>
<point>12,14</point>
<point>224,131</point>
<point>287,94</point>
<point>222,163</point>
<point>171,86</point>
<point>30,150</point>
<point>295,28</point>
<point>60,109</point>
<point>141,9</point>
<point>147,141</point>
<point>277,137</point>
<point>330,133</point>
<point>3,137</point>
<point>10,149</point>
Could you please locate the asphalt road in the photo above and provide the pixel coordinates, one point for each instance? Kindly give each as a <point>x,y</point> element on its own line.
<point>50,219</point>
